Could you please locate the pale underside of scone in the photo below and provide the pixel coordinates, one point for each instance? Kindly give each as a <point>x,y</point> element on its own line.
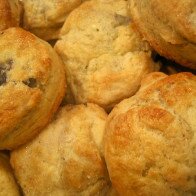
<point>150,143</point>
<point>66,158</point>
<point>8,184</point>
<point>169,26</point>
<point>45,18</point>
<point>105,59</point>
<point>32,85</point>
<point>10,13</point>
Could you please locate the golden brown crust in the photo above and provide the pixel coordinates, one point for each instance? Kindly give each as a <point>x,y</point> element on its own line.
<point>173,35</point>
<point>8,185</point>
<point>30,72</point>
<point>67,157</point>
<point>10,13</point>
<point>45,18</point>
<point>150,143</point>
<point>108,60</point>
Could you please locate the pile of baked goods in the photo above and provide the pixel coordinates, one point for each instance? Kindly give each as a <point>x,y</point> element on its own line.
<point>97,97</point>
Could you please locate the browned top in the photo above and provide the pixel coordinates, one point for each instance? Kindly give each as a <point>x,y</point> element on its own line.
<point>29,73</point>
<point>108,60</point>
<point>67,157</point>
<point>150,144</point>
<point>169,26</point>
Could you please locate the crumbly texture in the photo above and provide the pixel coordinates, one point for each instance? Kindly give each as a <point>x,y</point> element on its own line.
<point>67,157</point>
<point>150,142</point>
<point>8,184</point>
<point>169,26</point>
<point>45,18</point>
<point>10,13</point>
<point>105,59</point>
<point>32,84</point>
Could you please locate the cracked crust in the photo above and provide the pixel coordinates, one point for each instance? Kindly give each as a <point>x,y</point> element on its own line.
<point>169,26</point>
<point>10,13</point>
<point>45,18</point>
<point>8,185</point>
<point>66,158</point>
<point>108,60</point>
<point>150,143</point>
<point>28,86</point>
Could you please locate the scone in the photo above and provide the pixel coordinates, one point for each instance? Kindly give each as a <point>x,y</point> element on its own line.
<point>45,18</point>
<point>10,13</point>
<point>67,157</point>
<point>32,85</point>
<point>8,186</point>
<point>150,142</point>
<point>169,26</point>
<point>105,59</point>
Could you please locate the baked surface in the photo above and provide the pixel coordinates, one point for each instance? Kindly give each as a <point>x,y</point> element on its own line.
<point>169,26</point>
<point>105,59</point>
<point>10,13</point>
<point>45,18</point>
<point>30,72</point>
<point>8,185</point>
<point>150,143</point>
<point>66,158</point>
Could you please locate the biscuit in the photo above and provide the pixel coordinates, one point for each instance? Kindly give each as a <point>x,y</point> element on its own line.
<point>45,18</point>
<point>8,185</point>
<point>66,158</point>
<point>169,26</point>
<point>10,13</point>
<point>105,59</point>
<point>32,85</point>
<point>150,142</point>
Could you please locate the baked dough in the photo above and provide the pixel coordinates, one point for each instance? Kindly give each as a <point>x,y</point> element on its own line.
<point>45,18</point>
<point>169,26</point>
<point>8,185</point>
<point>10,13</point>
<point>66,158</point>
<point>105,59</point>
<point>150,143</point>
<point>32,85</point>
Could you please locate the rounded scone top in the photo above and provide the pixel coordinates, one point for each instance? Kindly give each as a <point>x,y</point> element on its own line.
<point>169,26</point>
<point>30,72</point>
<point>45,18</point>
<point>104,58</point>
<point>67,157</point>
<point>150,145</point>
<point>8,185</point>
<point>10,13</point>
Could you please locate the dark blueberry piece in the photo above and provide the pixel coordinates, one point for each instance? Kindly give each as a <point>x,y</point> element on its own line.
<point>4,68</point>
<point>3,77</point>
<point>6,65</point>
<point>122,20</point>
<point>31,82</point>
